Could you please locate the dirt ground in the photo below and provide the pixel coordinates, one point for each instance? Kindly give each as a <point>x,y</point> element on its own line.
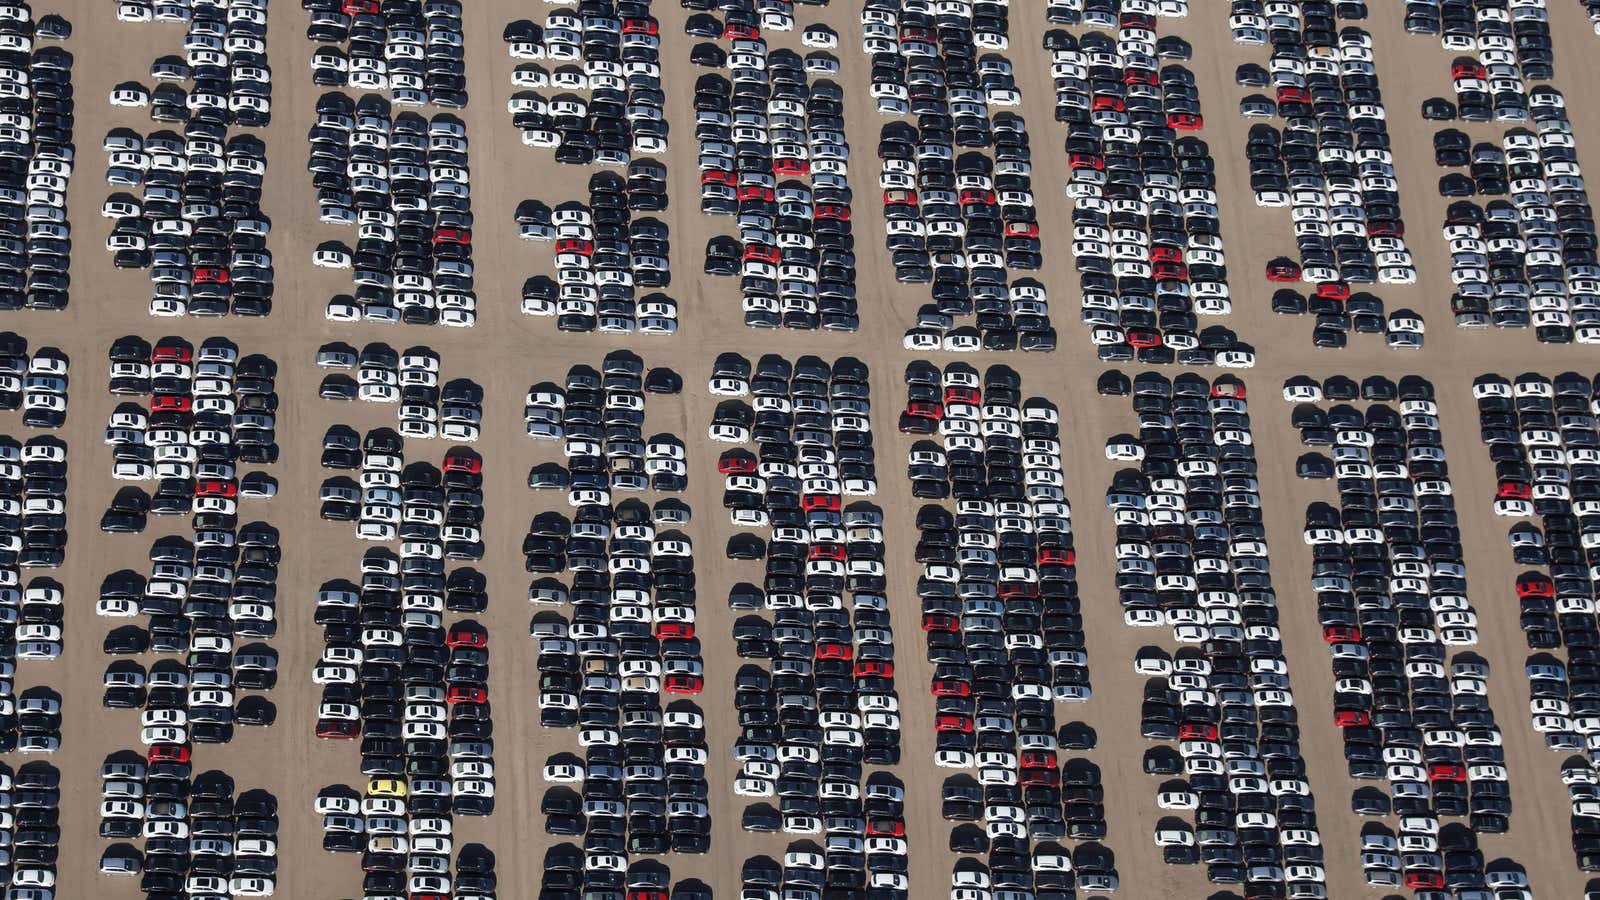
<point>507,352</point>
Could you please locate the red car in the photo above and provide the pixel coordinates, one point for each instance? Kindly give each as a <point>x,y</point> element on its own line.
<point>830,650</point>
<point>716,176</point>
<point>1341,634</point>
<point>787,166</point>
<point>1104,102</point>
<point>736,462</point>
<point>833,213</point>
<point>210,275</point>
<point>1292,94</point>
<point>338,729</point>
<point>453,236</point>
<point>1514,490</point>
<point>1170,271</point>
<point>1466,68</point>
<point>1039,777</point>
<point>736,31</point>
<point>647,895</point>
<point>1283,270</point>
<point>949,687</point>
<point>458,462</point>
<point>762,253</point>
<point>825,502</point>
<point>1038,759</point>
<point>640,26</point>
<point>1086,161</point>
<point>924,409</point>
<point>462,694</point>
<point>953,722</point>
<point>171,403</point>
<point>466,637</point>
<point>940,622</point>
<point>575,245</point>
<point>826,551</point>
<point>1228,387</point>
<point>1057,556</point>
<point>216,489</point>
<point>1013,590</point>
<point>1447,772</point>
<point>756,192</point>
<point>1022,229</point>
<point>1194,732</point>
<point>874,668</point>
<point>172,353</point>
<point>1186,121</point>
<point>1334,290</point>
<point>1351,718</point>
<point>178,753</point>
<point>362,7</point>
<point>1166,254</point>
<point>958,394</point>
<point>1424,881</point>
<point>1139,76</point>
<point>1140,338</point>
<point>682,631</point>
<point>976,197</point>
<point>881,827</point>
<point>1535,585</point>
<point>684,684</point>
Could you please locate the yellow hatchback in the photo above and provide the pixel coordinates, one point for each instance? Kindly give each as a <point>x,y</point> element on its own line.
<point>386,787</point>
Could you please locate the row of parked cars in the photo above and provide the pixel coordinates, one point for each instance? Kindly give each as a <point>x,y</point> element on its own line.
<point>413,49</point>
<point>34,383</point>
<point>1541,436</point>
<point>33,484</point>
<point>824,706</point>
<point>404,183</point>
<point>1519,27</point>
<point>1392,603</point>
<point>1004,631</point>
<point>1146,233</point>
<point>427,409</point>
<point>1192,556</point>
<point>200,599</point>
<point>1530,260</point>
<point>957,219</point>
<point>32,829</point>
<point>611,50</point>
<point>36,145</point>
<point>773,154</point>
<point>599,417</point>
<point>1332,163</point>
<point>394,673</point>
<point>614,624</point>
<point>604,257</point>
<point>197,226</point>
<point>224,63</point>
<point>199,839</point>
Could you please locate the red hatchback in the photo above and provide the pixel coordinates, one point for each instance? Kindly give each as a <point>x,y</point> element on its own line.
<point>953,722</point>
<point>216,489</point>
<point>178,753</point>
<point>171,403</point>
<point>1535,585</point>
<point>210,275</point>
<point>736,462</point>
<point>963,395</point>
<point>824,502</point>
<point>466,637</point>
<point>940,622</point>
<point>684,684</point>
<point>1514,490</point>
<point>923,409</point>
<point>874,668</point>
<point>949,687</point>
<point>457,462</point>
<point>1341,634</point>
<point>1283,270</point>
<point>453,236</point>
<point>1334,290</point>
<point>462,694</point>
<point>1351,718</point>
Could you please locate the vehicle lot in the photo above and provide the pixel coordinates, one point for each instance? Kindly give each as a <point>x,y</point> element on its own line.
<point>532,352</point>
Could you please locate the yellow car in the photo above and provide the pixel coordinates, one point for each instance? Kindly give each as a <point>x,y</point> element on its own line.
<point>386,787</point>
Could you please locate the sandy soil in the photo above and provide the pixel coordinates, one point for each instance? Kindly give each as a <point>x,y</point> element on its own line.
<point>507,352</point>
